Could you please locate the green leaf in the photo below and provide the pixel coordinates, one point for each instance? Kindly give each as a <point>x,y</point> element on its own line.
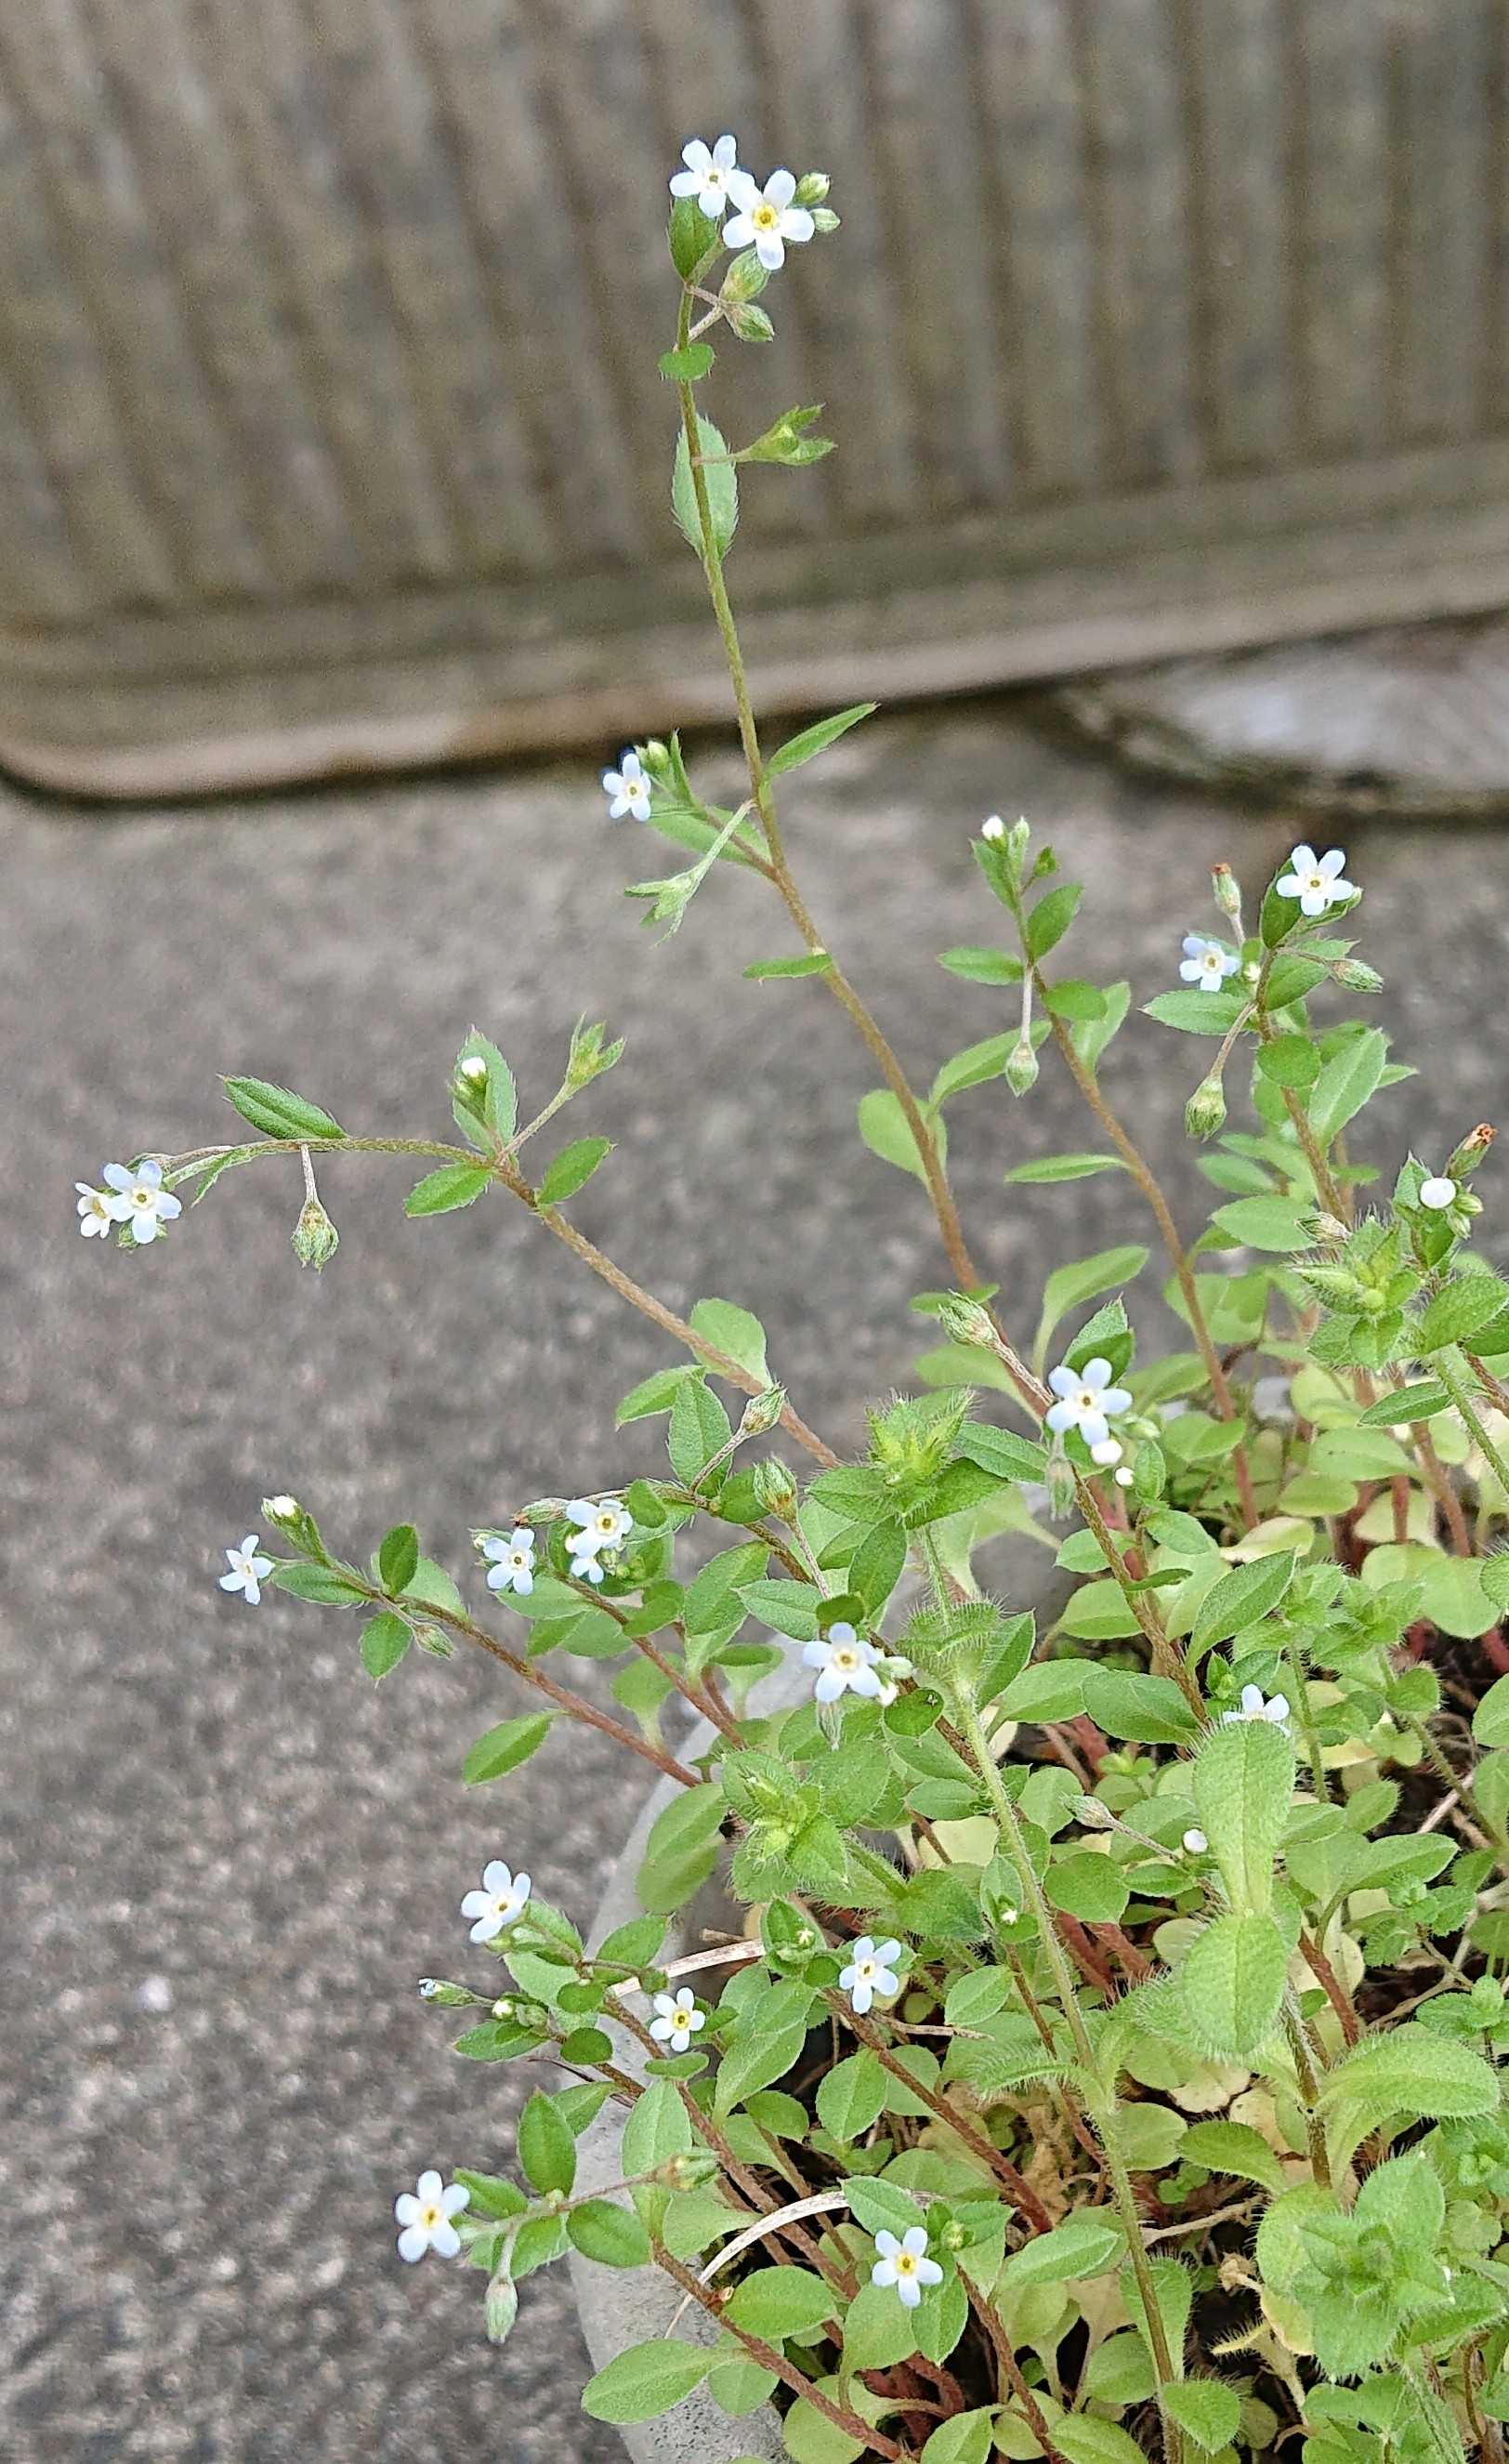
<point>1068,1287</point>
<point>1263,1223</point>
<point>1087,1885</point>
<point>547,2151</point>
<point>980,966</point>
<point>885,1130</point>
<point>1233,2147</point>
<point>279,1112</point>
<point>1491,1719</point>
<point>384,1639</point>
<point>1458,1312</point>
<point>1002,1451</point>
<point>330,1586</point>
<point>1290,1061</point>
<point>776,2302</point>
<point>398,1558</point>
<point>654,1394</point>
<point>1084,2439</point>
<point>699,1429</point>
<point>734,1332</point>
<point>1141,1710</point>
<point>611,2234</point>
<point>1083,2246</point>
<point>1346,1083</point>
<point>1051,918</point>
<point>722,485</point>
<point>1243,1781</point>
<point>1231,1980</point>
<point>689,236</point>
<point>969,2438</point>
<point>645,2381</point>
<point>504,1748</point>
<point>761,2058</point>
<point>687,365</point>
<point>1208,2409</point>
<point>974,1067</point>
<point>1421,1402</point>
<point>790,1608</point>
<point>817,962</point>
<point>1241,1598</point>
<point>851,2097</point>
<point>569,1170</point>
<point>1064,1167</point>
<point>1412,2071</point>
<point>1196,1013</point>
<point>658,2127</point>
<point>455,1184</point>
<point>817,739</point>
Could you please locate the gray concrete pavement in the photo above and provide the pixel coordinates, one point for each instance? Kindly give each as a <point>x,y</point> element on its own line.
<point>225,1858</point>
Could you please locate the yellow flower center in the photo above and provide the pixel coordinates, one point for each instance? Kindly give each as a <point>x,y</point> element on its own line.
<point>906,2262</point>
<point>607,1523</point>
<point>867,1969</point>
<point>142,1197</point>
<point>846,1659</point>
<point>429,2218</point>
<point>765,218</point>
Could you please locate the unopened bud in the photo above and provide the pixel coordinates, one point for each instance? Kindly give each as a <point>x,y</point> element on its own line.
<point>589,1056</point>
<point>1092,1814</point>
<point>1021,1068</point>
<point>287,1516</point>
<point>1469,1154</point>
<point>691,2170</point>
<point>472,1065</point>
<point>1356,976</point>
<point>745,279</point>
<point>316,1238</point>
<point>500,2308</point>
<point>1060,1486</point>
<point>1328,1230</point>
<point>749,321</point>
<point>1206,1110</point>
<point>993,828</point>
<point>824,219</point>
<point>280,1509</point>
<point>953,2235</point>
<point>1017,836</point>
<point>775,1488</point>
<point>1437,1194</point>
<point>966,1321</point>
<point>762,1411</point>
<point>1228,894</point>
<point>451,1997</point>
<point>812,189</point>
<point>655,758</point>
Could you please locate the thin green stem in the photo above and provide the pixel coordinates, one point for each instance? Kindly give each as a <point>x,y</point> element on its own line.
<point>1461,1394</point>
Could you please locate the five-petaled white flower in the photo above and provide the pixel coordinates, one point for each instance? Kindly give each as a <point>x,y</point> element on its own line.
<point>499,1902</point>
<point>627,789</point>
<point>706,176</point>
<point>677,2019</point>
<point>425,2214</point>
<point>1275,1709</point>
<point>870,1973</point>
<point>603,1523</point>
<point>512,1561</point>
<point>95,1210</point>
<point>905,2264</point>
<point>139,1199</point>
<point>1437,1194</point>
<point>1317,882</point>
<point>1088,1400</point>
<point>1207,963</point>
<point>766,219</point>
<point>1195,1843</point>
<point>846,1663</point>
<point>247,1570</point>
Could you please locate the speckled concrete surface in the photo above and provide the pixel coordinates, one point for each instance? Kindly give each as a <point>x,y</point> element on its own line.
<point>225,1858</point>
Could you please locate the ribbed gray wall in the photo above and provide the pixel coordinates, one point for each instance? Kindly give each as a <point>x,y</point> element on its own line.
<point>328,330</point>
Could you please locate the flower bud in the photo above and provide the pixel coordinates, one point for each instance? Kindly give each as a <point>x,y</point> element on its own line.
<point>500,2308</point>
<point>953,2235</point>
<point>824,219</point>
<point>993,828</point>
<point>745,279</point>
<point>775,1488</point>
<point>1061,1487</point>
<point>589,1056</point>
<point>1092,1814</point>
<point>762,1411</point>
<point>297,1526</point>
<point>749,321</point>
<point>966,1321</point>
<point>1021,1068</point>
<point>812,189</point>
<point>1356,976</point>
<point>1469,1154</point>
<point>1328,1230</point>
<point>316,1238</point>
<point>451,1997</point>
<point>1228,894</point>
<point>1206,1110</point>
<point>693,2169</point>
<point>1017,836</point>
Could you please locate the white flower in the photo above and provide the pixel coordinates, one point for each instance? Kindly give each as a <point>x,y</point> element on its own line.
<point>766,219</point>
<point>1207,963</point>
<point>1124,1476</point>
<point>895,1669</point>
<point>846,1663</point>
<point>1437,1193</point>
<point>627,790</point>
<point>512,1561</point>
<point>139,1199</point>
<point>993,828</point>
<point>1088,1400</point>
<point>1107,1453</point>
<point>1317,882</point>
<point>677,2019</point>
<point>499,1902</point>
<point>870,1973</point>
<point>706,176</point>
<point>425,2214</point>
<point>1253,1707</point>
<point>1195,1843</point>
<point>905,2264</point>
<point>96,1211</point>
<point>603,1523</point>
<point>247,1570</point>
<point>282,1509</point>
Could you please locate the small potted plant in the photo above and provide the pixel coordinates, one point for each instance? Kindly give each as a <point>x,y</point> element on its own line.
<point>1075,2037</point>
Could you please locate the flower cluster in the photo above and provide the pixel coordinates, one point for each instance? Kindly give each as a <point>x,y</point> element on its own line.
<point>767,219</point>
<point>132,1197</point>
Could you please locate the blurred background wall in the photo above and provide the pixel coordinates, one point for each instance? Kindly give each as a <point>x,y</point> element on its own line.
<point>331,433</point>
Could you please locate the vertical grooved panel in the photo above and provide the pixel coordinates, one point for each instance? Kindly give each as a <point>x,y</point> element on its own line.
<point>1242,204</point>
<point>1344,217</point>
<point>1441,150</point>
